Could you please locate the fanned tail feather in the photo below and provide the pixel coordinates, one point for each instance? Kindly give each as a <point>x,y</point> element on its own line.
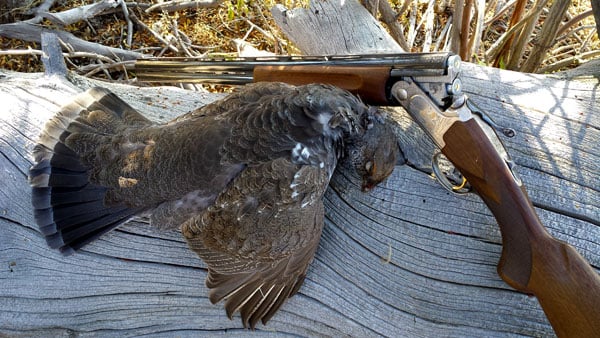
<point>68,208</point>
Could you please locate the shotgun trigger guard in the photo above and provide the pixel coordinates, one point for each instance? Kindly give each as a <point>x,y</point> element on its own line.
<point>436,119</point>
<point>461,189</point>
<point>428,112</point>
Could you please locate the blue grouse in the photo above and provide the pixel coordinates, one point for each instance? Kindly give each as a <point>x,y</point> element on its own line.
<point>243,178</point>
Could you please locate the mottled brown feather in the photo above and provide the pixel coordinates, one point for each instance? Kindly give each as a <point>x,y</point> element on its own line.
<point>267,250</point>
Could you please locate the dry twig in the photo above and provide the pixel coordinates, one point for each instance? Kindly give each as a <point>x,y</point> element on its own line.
<point>464,30</point>
<point>444,36</point>
<point>492,53</point>
<point>572,22</point>
<point>499,13</point>
<point>428,17</point>
<point>412,22</point>
<point>129,23</point>
<point>31,51</point>
<point>456,26</point>
<point>543,40</point>
<point>176,5</point>
<point>180,41</point>
<point>579,59</point>
<point>475,41</point>
<point>92,69</point>
<point>168,44</point>
<point>518,49</point>
<point>390,19</point>
<point>505,52</point>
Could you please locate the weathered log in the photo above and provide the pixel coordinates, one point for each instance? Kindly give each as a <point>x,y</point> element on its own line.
<point>407,259</point>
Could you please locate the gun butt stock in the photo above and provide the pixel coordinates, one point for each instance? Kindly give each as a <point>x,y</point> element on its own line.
<point>532,261</point>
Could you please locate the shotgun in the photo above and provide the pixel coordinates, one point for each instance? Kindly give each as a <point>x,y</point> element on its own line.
<point>428,86</point>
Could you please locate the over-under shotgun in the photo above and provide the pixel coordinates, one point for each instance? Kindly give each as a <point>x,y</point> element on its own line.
<point>428,86</point>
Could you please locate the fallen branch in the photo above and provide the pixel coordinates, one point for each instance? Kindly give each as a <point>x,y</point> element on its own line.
<point>77,14</point>
<point>175,5</point>
<point>30,32</point>
<point>54,62</point>
<point>44,7</point>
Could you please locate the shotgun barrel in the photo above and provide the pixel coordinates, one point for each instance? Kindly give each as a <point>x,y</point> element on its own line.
<point>369,76</point>
<point>239,70</point>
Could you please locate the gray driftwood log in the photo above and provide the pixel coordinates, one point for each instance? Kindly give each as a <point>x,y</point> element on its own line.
<point>407,259</point>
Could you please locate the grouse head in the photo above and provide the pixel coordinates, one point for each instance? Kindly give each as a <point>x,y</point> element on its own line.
<point>375,153</point>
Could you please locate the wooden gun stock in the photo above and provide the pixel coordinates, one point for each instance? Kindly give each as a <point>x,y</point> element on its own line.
<point>368,83</point>
<point>532,261</point>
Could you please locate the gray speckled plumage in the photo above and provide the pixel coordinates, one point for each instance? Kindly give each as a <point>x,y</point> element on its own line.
<point>243,177</point>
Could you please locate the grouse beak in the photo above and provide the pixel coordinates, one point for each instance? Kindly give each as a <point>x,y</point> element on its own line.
<point>368,184</point>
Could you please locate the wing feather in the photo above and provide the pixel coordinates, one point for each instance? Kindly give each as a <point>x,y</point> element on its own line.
<point>258,259</point>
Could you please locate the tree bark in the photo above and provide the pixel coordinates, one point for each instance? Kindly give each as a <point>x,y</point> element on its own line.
<point>407,259</point>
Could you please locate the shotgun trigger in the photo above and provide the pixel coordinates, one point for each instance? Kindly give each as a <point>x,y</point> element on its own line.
<point>463,188</point>
<point>436,120</point>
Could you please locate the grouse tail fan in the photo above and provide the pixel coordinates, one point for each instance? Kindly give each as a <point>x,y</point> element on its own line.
<point>69,209</point>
